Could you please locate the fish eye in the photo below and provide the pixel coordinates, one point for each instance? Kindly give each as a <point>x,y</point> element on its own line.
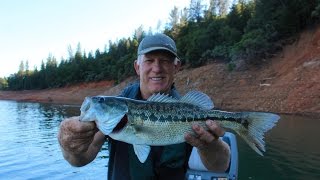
<point>101,100</point>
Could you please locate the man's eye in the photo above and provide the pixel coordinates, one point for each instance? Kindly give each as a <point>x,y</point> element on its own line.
<point>167,61</point>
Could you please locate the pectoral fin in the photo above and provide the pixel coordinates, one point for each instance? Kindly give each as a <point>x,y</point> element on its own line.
<point>142,152</point>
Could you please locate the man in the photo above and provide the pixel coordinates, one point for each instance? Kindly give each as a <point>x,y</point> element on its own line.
<point>156,66</point>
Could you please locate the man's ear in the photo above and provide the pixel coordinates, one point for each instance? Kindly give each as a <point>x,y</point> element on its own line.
<point>177,66</point>
<point>137,67</point>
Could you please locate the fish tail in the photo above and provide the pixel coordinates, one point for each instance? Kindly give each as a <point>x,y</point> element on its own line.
<point>252,128</point>
<point>258,124</point>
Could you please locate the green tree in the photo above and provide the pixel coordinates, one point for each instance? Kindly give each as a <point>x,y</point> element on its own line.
<point>21,69</point>
<point>27,68</point>
<point>3,83</point>
<point>196,10</point>
<point>51,71</point>
<point>173,17</point>
<point>139,34</point>
<point>251,31</point>
<point>184,17</point>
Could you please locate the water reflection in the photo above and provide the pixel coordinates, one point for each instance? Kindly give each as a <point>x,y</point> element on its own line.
<point>294,142</point>
<point>292,152</point>
<point>29,148</point>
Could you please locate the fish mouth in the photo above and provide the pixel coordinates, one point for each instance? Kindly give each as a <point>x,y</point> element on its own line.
<point>121,124</point>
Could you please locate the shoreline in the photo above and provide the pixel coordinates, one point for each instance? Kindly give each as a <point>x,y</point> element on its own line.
<point>288,83</point>
<point>53,96</point>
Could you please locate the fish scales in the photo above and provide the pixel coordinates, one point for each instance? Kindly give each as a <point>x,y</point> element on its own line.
<point>181,112</point>
<point>164,112</point>
<point>168,121</point>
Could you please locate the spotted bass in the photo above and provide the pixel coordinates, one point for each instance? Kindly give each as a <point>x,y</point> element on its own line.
<point>163,120</point>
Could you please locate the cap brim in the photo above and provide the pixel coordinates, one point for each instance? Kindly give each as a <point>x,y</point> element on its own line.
<point>147,50</point>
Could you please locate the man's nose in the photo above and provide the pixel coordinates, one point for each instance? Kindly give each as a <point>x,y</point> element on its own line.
<point>157,66</point>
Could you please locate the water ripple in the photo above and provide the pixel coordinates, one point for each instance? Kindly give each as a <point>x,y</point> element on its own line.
<point>29,148</point>
<point>28,144</point>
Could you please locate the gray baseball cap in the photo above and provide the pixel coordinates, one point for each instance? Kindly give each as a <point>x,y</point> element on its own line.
<point>157,42</point>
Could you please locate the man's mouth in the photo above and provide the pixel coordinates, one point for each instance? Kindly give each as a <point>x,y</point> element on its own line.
<point>157,78</point>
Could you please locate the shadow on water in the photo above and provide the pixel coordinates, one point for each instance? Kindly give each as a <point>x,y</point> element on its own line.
<point>46,117</point>
<point>293,151</point>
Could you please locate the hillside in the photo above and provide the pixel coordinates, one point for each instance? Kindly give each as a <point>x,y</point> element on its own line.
<point>287,83</point>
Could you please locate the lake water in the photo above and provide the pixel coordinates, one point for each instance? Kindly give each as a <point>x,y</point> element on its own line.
<point>29,148</point>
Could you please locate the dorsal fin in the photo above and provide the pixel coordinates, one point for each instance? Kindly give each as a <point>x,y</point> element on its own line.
<point>162,98</point>
<point>199,99</point>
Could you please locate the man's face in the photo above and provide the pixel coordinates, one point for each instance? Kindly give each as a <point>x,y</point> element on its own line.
<point>156,71</point>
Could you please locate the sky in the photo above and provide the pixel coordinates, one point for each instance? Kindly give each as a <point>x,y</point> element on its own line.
<point>33,29</point>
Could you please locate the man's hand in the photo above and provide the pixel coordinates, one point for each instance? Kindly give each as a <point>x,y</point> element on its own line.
<point>214,153</point>
<point>80,141</point>
<point>203,137</point>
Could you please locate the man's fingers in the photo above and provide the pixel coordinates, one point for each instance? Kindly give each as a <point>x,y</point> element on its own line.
<point>76,136</point>
<point>192,140</point>
<point>215,128</point>
<point>203,135</point>
<point>73,124</point>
